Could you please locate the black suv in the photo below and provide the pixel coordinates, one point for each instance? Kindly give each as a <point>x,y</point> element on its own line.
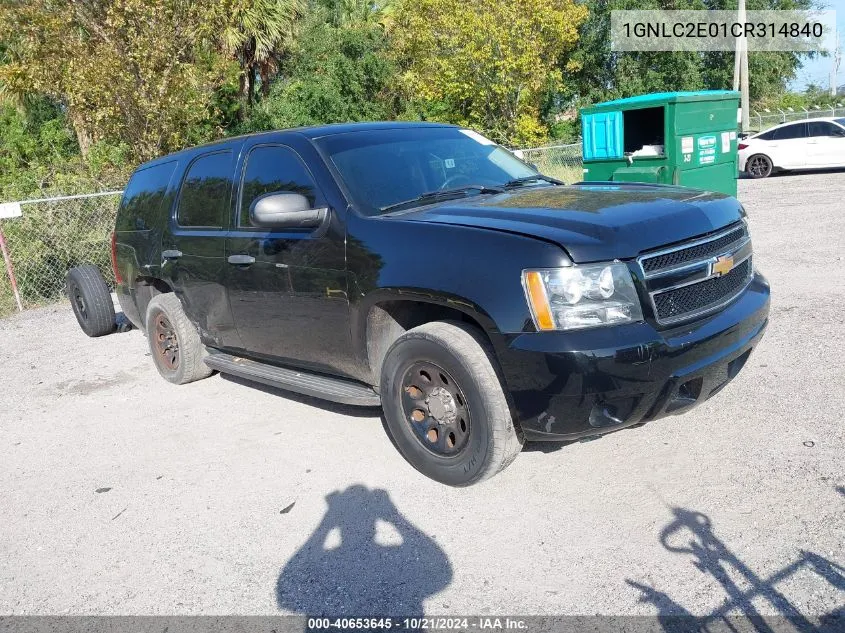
<point>427,270</point>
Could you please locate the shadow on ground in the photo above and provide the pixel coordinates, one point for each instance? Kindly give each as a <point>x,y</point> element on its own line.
<point>325,405</point>
<point>364,559</point>
<point>691,534</point>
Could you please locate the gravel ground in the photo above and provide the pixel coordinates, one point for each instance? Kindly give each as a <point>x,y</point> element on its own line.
<point>123,494</point>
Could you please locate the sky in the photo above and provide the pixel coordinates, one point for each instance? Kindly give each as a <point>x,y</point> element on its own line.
<point>817,70</point>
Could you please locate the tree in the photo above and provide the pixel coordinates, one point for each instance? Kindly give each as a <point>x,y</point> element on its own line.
<point>356,12</point>
<point>603,74</point>
<point>257,34</point>
<point>140,72</point>
<point>335,74</point>
<point>485,63</point>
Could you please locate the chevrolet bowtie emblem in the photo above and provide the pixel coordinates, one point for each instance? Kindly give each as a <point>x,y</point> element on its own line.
<point>722,266</point>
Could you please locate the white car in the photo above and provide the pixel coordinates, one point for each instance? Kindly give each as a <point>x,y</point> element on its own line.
<point>810,144</point>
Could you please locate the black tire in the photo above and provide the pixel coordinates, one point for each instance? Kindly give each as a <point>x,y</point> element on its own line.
<point>91,300</point>
<point>174,342</point>
<point>759,166</point>
<point>488,441</point>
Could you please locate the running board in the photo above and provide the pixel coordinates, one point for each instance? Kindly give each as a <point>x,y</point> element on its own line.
<point>297,380</point>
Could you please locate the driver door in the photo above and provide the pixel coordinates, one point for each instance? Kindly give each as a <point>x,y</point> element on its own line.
<point>287,287</point>
<point>827,144</point>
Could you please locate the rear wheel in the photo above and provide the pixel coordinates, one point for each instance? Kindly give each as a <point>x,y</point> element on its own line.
<point>174,342</point>
<point>91,300</point>
<point>444,404</point>
<point>759,166</point>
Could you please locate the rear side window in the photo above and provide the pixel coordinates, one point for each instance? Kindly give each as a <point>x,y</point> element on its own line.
<point>271,169</point>
<point>206,193</point>
<point>799,130</point>
<point>145,198</point>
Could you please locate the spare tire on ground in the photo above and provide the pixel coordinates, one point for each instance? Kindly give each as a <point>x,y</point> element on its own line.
<point>91,300</point>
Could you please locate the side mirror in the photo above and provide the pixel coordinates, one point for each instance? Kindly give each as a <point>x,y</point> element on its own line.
<point>285,211</point>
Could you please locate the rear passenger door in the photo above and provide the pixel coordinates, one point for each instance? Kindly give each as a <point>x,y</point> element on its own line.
<point>193,252</point>
<point>288,286</point>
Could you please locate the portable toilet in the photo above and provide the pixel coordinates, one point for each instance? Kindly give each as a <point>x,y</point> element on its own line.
<point>681,138</point>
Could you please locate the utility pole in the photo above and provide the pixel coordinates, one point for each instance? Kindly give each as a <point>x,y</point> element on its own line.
<point>834,69</point>
<point>741,68</point>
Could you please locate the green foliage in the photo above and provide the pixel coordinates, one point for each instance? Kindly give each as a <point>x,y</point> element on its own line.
<point>356,12</point>
<point>605,75</point>
<point>336,74</point>
<point>258,33</point>
<point>140,72</point>
<point>486,64</point>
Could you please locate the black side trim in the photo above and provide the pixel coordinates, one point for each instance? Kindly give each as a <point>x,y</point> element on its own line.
<point>297,380</point>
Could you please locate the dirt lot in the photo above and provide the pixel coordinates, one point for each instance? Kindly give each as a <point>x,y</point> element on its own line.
<point>123,494</point>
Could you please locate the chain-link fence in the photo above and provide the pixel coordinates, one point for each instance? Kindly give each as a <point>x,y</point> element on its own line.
<point>560,161</point>
<point>51,236</point>
<point>760,121</point>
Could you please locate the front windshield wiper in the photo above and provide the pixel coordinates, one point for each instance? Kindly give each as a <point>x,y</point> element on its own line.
<point>518,182</point>
<point>441,194</point>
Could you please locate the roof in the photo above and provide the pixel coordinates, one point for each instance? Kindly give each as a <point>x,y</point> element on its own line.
<point>313,132</point>
<point>780,125</point>
<point>658,98</point>
<point>818,118</point>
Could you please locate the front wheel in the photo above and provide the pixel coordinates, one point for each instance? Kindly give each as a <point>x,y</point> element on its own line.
<point>444,404</point>
<point>759,166</point>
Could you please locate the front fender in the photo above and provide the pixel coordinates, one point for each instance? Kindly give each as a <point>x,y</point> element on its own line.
<point>473,270</point>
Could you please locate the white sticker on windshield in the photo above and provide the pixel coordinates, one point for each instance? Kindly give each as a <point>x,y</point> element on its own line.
<point>450,163</point>
<point>475,136</point>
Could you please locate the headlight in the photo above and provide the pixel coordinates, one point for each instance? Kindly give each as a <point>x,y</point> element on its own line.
<point>581,296</point>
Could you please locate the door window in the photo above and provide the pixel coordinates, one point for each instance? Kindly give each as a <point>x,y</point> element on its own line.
<point>824,128</point>
<point>798,130</point>
<point>206,192</point>
<point>275,169</point>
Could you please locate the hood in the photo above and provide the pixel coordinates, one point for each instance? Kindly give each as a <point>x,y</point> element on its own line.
<point>592,222</point>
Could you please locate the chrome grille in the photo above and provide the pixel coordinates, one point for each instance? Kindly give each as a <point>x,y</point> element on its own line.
<point>698,251</point>
<point>687,299</point>
<point>689,280</point>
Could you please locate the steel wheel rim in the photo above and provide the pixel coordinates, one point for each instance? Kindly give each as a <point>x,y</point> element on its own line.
<point>436,409</point>
<point>80,303</point>
<point>759,166</point>
<point>166,342</point>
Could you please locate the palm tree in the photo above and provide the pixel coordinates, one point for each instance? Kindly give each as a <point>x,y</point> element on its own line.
<point>258,34</point>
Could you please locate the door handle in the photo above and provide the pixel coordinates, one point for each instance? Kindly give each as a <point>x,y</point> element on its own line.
<point>241,260</point>
<point>171,254</point>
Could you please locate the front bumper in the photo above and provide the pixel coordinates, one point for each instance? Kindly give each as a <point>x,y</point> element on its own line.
<point>568,385</point>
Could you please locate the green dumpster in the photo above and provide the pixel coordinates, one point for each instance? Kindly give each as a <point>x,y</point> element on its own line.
<point>681,138</point>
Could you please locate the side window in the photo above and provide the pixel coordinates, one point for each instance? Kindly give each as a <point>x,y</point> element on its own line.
<point>206,193</point>
<point>273,168</point>
<point>799,130</point>
<point>823,128</point>
<point>144,197</point>
<point>767,136</point>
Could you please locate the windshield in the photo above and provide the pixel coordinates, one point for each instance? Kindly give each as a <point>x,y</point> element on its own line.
<point>840,121</point>
<point>386,167</point>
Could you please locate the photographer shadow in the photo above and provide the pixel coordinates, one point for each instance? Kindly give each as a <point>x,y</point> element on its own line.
<point>363,560</point>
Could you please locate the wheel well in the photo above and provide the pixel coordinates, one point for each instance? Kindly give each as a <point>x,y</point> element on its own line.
<point>389,320</point>
<point>145,289</point>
